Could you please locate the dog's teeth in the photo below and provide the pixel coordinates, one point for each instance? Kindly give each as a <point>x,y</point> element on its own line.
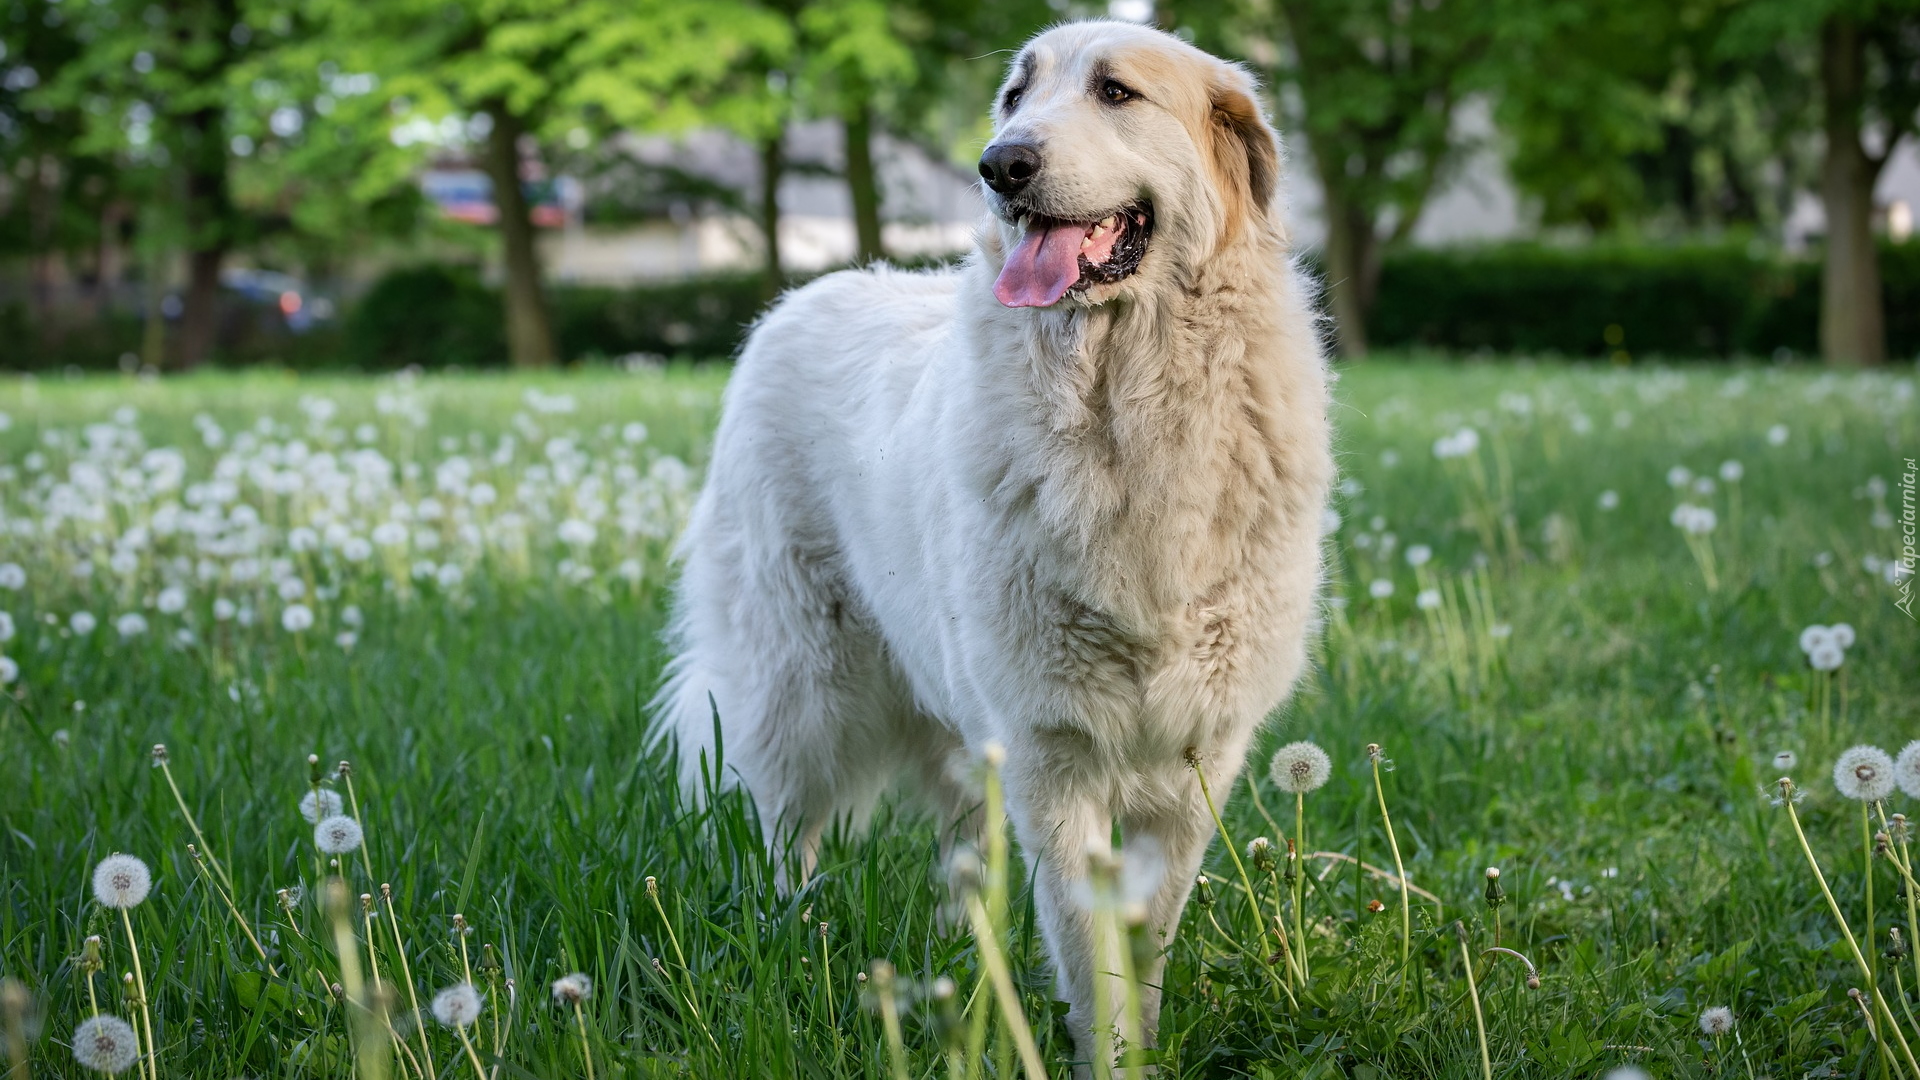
<point>1087,243</point>
<point>1105,224</point>
<point>1098,231</point>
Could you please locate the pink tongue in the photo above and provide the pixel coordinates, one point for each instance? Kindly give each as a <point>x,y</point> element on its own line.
<point>1045,265</point>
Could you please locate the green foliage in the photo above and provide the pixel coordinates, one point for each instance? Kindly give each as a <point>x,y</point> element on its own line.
<point>1681,300</point>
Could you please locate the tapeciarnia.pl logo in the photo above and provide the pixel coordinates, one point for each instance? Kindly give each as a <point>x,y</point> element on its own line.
<point>1904,575</point>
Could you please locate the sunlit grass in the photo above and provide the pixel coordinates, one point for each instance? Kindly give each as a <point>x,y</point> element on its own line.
<point>1560,689</point>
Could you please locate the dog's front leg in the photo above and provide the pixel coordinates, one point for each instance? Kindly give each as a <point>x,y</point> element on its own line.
<point>1057,823</point>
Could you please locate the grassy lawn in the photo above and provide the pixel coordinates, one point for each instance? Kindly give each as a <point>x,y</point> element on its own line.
<point>456,583</point>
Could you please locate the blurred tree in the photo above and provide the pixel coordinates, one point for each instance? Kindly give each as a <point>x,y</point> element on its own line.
<point>1867,59</point>
<point>152,84</point>
<point>1628,114</point>
<point>56,199</point>
<point>515,72</point>
<point>1373,85</point>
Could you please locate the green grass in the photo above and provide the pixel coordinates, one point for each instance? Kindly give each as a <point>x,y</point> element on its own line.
<point>1608,752</point>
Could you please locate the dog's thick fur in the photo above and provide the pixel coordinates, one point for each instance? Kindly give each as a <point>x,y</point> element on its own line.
<point>1089,532</point>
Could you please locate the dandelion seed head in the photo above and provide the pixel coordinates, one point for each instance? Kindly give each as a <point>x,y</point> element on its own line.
<point>1609,500</point>
<point>1865,773</point>
<point>337,835</point>
<point>319,804</point>
<point>296,618</point>
<point>1300,767</point>
<point>1427,599</point>
<point>1716,1021</point>
<point>1785,761</point>
<point>1813,637</point>
<point>121,881</point>
<point>1731,471</point>
<point>1842,635</point>
<point>1906,770</point>
<point>457,1005</point>
<point>1380,588</point>
<point>105,1043</point>
<point>1419,555</point>
<point>1828,657</point>
<point>572,989</point>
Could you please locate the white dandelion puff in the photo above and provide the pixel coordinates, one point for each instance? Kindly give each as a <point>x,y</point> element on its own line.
<point>297,618</point>
<point>171,601</point>
<point>1300,767</point>
<point>1716,1021</point>
<point>1842,634</point>
<point>1679,476</point>
<point>572,989</point>
<point>337,835</point>
<point>1785,760</point>
<point>457,1006</point>
<point>105,1043</point>
<point>121,881</point>
<point>1419,555</point>
<point>319,804</point>
<point>82,623</point>
<point>9,670</point>
<point>1380,588</point>
<point>1609,500</point>
<point>1732,471</point>
<point>12,577</point>
<point>1777,435</point>
<point>1906,769</point>
<point>132,624</point>
<point>1427,600</point>
<point>1828,657</point>
<point>1865,773</point>
<point>1813,637</point>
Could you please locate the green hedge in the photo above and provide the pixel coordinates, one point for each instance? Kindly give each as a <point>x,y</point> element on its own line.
<point>1678,301</point>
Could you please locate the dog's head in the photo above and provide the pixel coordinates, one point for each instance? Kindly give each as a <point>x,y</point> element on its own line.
<point>1121,154</point>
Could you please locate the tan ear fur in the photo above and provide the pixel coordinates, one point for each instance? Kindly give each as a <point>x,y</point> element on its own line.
<point>1245,151</point>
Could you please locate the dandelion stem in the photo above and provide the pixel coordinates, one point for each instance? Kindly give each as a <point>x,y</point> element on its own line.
<point>370,1063</point>
<point>586,1051</point>
<point>1473,994</point>
<point>218,870</point>
<point>231,908</point>
<point>479,1071</point>
<point>366,861</point>
<point>406,971</point>
<point>1400,871</point>
<point>883,990</point>
<point>386,1015</point>
<point>995,962</point>
<point>1866,871</point>
<point>693,1006</point>
<point>1233,852</point>
<point>1846,932</point>
<point>1300,877</point>
<point>826,983</point>
<point>140,985</point>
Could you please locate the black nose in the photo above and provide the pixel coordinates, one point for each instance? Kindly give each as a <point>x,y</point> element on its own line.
<point>1008,167</point>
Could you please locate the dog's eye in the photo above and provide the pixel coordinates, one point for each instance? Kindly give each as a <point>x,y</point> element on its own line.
<point>1012,100</point>
<point>1114,93</point>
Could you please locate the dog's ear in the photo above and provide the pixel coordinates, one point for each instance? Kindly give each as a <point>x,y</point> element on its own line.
<point>1245,149</point>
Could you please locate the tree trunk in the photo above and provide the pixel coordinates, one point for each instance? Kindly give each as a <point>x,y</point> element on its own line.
<point>1852,319</point>
<point>1352,268</point>
<point>209,221</point>
<point>773,164</point>
<point>529,330</point>
<point>862,182</point>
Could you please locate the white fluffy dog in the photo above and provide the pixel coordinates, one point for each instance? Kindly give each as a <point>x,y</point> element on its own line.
<point>1066,497</point>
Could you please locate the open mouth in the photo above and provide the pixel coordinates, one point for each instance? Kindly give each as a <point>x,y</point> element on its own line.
<point>1055,256</point>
